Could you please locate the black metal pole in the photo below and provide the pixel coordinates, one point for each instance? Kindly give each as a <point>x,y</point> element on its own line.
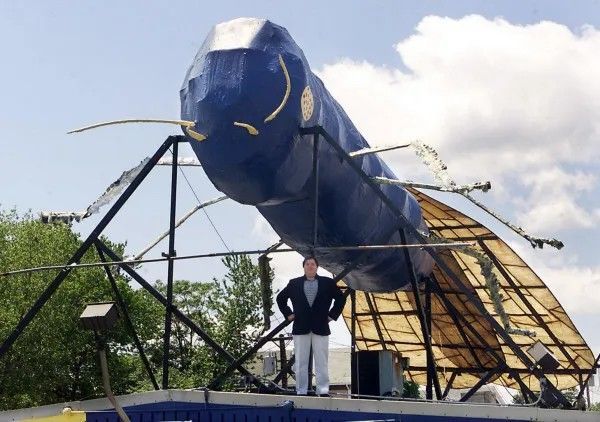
<point>374,315</point>
<point>315,231</point>
<point>431,373</point>
<point>47,293</point>
<point>283,360</point>
<point>449,385</point>
<point>128,322</point>
<point>589,375</point>
<point>587,390</point>
<point>524,393</point>
<point>170,268</point>
<point>180,315</point>
<point>316,187</point>
<point>438,260</point>
<point>285,370</point>
<point>353,357</point>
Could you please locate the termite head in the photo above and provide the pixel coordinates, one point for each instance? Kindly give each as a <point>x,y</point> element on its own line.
<point>246,91</point>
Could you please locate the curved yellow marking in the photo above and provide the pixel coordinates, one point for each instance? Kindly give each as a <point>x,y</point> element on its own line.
<point>187,125</point>
<point>251,129</point>
<point>193,134</point>
<point>288,89</point>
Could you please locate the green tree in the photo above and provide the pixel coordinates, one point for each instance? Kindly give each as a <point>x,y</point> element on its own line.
<point>411,390</point>
<point>54,359</point>
<point>229,310</point>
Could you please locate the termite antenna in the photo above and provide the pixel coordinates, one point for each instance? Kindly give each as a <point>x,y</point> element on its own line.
<point>186,124</point>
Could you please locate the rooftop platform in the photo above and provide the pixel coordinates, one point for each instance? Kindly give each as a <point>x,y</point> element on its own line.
<point>180,405</point>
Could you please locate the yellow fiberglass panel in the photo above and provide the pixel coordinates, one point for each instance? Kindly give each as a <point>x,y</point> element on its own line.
<point>464,342</point>
<point>68,416</point>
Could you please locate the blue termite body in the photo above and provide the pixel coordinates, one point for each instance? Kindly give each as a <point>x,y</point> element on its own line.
<point>248,91</point>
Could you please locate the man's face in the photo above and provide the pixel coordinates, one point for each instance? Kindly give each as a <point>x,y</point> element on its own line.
<point>310,268</point>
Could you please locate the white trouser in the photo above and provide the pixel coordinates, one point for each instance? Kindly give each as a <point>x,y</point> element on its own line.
<point>320,346</point>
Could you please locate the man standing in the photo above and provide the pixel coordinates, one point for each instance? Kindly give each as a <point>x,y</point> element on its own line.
<point>311,297</point>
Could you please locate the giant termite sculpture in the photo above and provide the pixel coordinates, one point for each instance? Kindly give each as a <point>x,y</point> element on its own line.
<point>244,100</point>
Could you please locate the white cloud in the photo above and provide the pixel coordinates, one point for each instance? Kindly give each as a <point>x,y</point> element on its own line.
<point>576,287</point>
<point>556,214</point>
<point>500,102</point>
<point>559,179</point>
<point>552,200</point>
<point>574,284</point>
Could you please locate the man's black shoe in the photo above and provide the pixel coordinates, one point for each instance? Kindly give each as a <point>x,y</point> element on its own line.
<point>324,395</point>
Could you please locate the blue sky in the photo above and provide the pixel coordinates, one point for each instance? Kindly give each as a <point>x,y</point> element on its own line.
<point>66,64</point>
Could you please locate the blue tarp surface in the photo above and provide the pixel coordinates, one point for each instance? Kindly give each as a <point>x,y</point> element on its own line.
<point>237,76</point>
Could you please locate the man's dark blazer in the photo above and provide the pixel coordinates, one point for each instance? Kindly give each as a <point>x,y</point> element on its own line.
<point>311,319</point>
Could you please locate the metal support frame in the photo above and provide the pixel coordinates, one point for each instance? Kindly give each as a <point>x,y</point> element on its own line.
<point>94,239</point>
<point>449,385</point>
<point>537,372</point>
<point>85,246</point>
<point>283,360</point>
<point>315,234</point>
<point>587,380</point>
<point>482,381</point>
<point>315,171</point>
<point>527,394</point>
<point>423,312</point>
<point>528,304</point>
<point>453,315</point>
<point>452,311</point>
<point>457,323</point>
<point>285,369</point>
<point>540,320</point>
<point>354,385</point>
<point>170,268</point>
<point>431,375</point>
<point>216,383</point>
<point>431,370</point>
<point>375,320</point>
<point>182,317</point>
<point>500,361</point>
<point>123,308</point>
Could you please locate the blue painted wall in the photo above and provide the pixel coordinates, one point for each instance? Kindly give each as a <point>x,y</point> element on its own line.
<point>198,412</point>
